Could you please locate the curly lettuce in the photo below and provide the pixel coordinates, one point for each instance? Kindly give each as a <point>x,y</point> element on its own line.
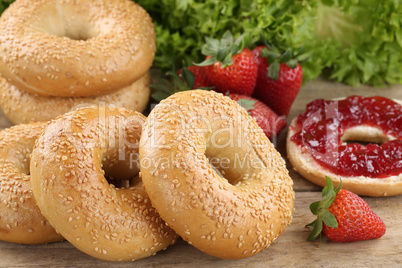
<point>350,41</point>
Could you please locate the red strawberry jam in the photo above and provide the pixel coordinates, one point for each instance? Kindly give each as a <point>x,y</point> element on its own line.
<point>324,122</point>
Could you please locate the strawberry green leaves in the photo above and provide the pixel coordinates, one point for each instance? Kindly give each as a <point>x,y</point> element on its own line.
<point>223,50</point>
<point>275,57</point>
<point>320,208</point>
<point>246,104</point>
<point>230,64</point>
<point>164,87</point>
<point>187,78</point>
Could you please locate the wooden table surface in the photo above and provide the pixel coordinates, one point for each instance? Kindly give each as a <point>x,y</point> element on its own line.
<point>290,250</point>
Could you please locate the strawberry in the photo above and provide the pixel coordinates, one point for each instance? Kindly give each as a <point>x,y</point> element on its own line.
<point>268,120</point>
<point>200,76</point>
<point>279,78</point>
<point>344,217</point>
<point>230,66</point>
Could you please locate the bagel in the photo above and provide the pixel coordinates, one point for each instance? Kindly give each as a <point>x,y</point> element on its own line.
<point>364,173</point>
<point>21,107</point>
<point>68,168</point>
<point>20,220</point>
<point>233,209</point>
<point>75,48</point>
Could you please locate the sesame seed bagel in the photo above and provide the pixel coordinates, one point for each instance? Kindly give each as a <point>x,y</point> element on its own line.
<point>306,165</point>
<point>22,107</point>
<point>68,168</point>
<point>73,48</point>
<point>20,219</point>
<point>213,175</point>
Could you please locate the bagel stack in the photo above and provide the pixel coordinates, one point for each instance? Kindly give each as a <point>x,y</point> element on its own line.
<point>61,180</point>
<point>59,55</point>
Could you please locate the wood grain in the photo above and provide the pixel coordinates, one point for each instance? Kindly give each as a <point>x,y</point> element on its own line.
<point>291,249</point>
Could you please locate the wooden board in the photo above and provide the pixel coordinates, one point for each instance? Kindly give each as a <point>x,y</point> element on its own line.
<point>290,250</point>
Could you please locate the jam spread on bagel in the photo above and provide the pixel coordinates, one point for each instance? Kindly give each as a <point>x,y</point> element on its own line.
<point>321,127</point>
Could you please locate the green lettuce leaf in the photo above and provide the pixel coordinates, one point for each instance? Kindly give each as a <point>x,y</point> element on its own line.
<point>4,4</point>
<point>350,41</point>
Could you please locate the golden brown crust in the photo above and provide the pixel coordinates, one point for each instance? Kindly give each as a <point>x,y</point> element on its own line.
<point>232,218</point>
<point>21,107</point>
<point>20,219</point>
<point>73,48</point>
<point>68,169</point>
<point>305,164</point>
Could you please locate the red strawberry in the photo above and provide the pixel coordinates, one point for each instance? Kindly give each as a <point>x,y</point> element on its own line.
<point>256,52</point>
<point>239,77</point>
<point>200,76</point>
<point>278,83</point>
<point>230,66</point>
<point>344,217</point>
<point>268,120</point>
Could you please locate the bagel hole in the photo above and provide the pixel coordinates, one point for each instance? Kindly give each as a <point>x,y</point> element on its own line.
<point>23,168</point>
<point>67,22</point>
<point>365,143</point>
<point>124,183</point>
<point>79,33</point>
<point>370,136</point>
<point>79,37</point>
<point>22,163</point>
<point>121,173</point>
<point>221,166</point>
